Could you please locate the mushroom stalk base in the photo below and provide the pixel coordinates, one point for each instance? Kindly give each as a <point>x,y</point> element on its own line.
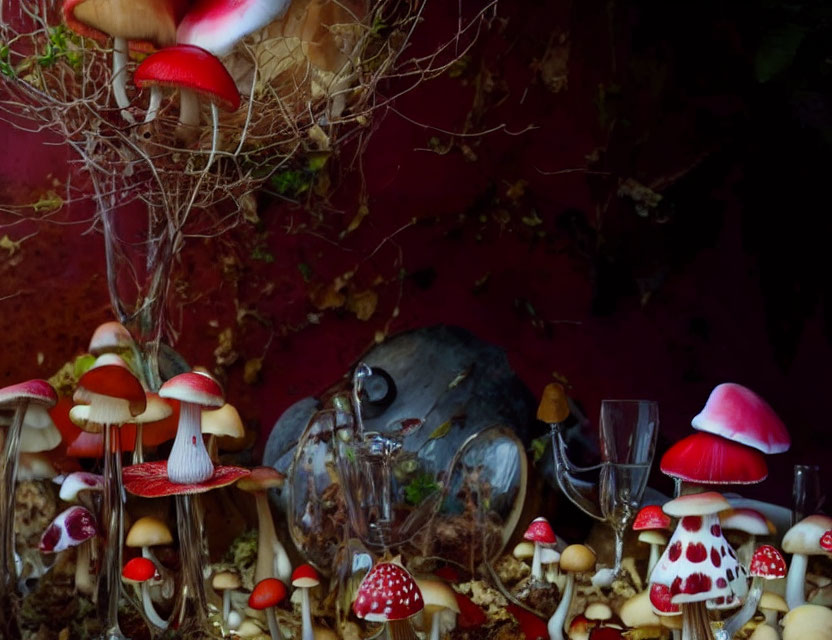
<point>272,560</point>
<point>307,633</point>
<point>558,619</point>
<point>795,581</point>
<point>695,622</point>
<point>274,630</point>
<point>108,588</point>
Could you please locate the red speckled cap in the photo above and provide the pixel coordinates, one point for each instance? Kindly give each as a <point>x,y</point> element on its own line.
<point>540,531</point>
<point>388,592</point>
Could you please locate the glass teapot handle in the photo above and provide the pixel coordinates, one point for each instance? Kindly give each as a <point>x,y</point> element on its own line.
<point>582,493</point>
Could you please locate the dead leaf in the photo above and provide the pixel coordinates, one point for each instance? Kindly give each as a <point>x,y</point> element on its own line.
<point>517,190</point>
<point>358,218</point>
<point>363,304</point>
<point>9,245</point>
<point>251,371</point>
<point>441,431</point>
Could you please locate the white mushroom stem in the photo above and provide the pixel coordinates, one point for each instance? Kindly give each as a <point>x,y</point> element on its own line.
<point>558,619</point>
<point>272,559</point>
<point>537,566</point>
<point>795,581</point>
<point>154,104</point>
<point>83,580</point>
<point>149,610</point>
<point>189,462</point>
<point>274,630</point>
<point>226,604</point>
<point>746,612</point>
<point>442,622</point>
<point>188,112</point>
<point>655,554</point>
<point>138,447</point>
<point>215,123</point>
<point>119,80</point>
<point>306,615</point>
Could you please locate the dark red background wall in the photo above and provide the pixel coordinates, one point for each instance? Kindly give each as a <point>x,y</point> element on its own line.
<point>517,233</point>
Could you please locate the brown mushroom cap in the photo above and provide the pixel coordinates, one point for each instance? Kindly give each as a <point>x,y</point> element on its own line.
<point>148,20</point>
<point>224,580</point>
<point>577,558</point>
<point>261,479</point>
<point>224,421</point>
<point>148,532</point>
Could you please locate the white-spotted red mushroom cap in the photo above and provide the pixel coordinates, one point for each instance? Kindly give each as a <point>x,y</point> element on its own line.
<point>826,541</point>
<point>69,529</point>
<point>698,563</point>
<point>705,458</point>
<point>804,537</point>
<point>696,504</point>
<point>737,413</point>
<point>388,592</point>
<point>305,577</point>
<point>651,517</point>
<point>540,531</point>
<point>767,563</point>
<point>79,481</point>
<point>195,388</point>
<point>748,521</point>
<point>217,25</point>
<point>35,391</point>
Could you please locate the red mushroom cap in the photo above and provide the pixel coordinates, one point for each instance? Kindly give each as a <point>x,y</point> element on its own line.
<point>305,577</point>
<point>189,67</point>
<point>35,391</point>
<point>737,413</point>
<point>388,592</point>
<point>217,25</point>
<point>651,517</point>
<point>267,593</point>
<point>195,388</point>
<point>767,562</point>
<point>150,480</point>
<point>661,600</point>
<point>540,531</point>
<point>138,570</point>
<point>826,541</point>
<point>708,459</point>
<point>110,376</point>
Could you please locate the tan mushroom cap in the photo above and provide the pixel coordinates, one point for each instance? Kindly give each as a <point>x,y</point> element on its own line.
<point>224,580</point>
<point>598,611</point>
<point>577,558</point>
<point>523,550</point>
<point>696,504</point>
<point>148,532</point>
<point>156,410</point>
<point>437,594</point>
<point>773,602</point>
<point>652,537</point>
<point>808,622</point>
<point>804,537</point>
<point>638,612</point>
<point>224,421</point>
<point>261,479</point>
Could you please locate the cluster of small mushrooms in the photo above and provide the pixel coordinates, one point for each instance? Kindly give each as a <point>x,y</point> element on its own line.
<point>696,586</point>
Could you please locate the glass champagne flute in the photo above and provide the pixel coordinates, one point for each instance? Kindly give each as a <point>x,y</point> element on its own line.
<point>628,431</point>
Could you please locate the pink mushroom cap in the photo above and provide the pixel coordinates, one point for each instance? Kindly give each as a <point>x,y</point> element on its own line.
<point>196,388</point>
<point>737,413</point>
<point>37,391</point>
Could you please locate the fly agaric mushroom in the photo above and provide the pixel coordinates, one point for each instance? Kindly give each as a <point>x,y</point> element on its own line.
<point>16,398</point>
<point>802,541</point>
<point>539,532</point>
<point>389,594</point>
<point>148,532</point>
<point>652,520</point>
<point>74,527</point>
<point>265,596</point>
<point>576,558</point>
<point>766,564</point>
<point>305,578</point>
<point>272,559</point>
<point>153,21</point>
<point>218,25</point>
<point>114,396</point>
<point>738,414</point>
<point>187,471</point>
<point>698,563</point>
<point>197,74</point>
<point>441,608</point>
